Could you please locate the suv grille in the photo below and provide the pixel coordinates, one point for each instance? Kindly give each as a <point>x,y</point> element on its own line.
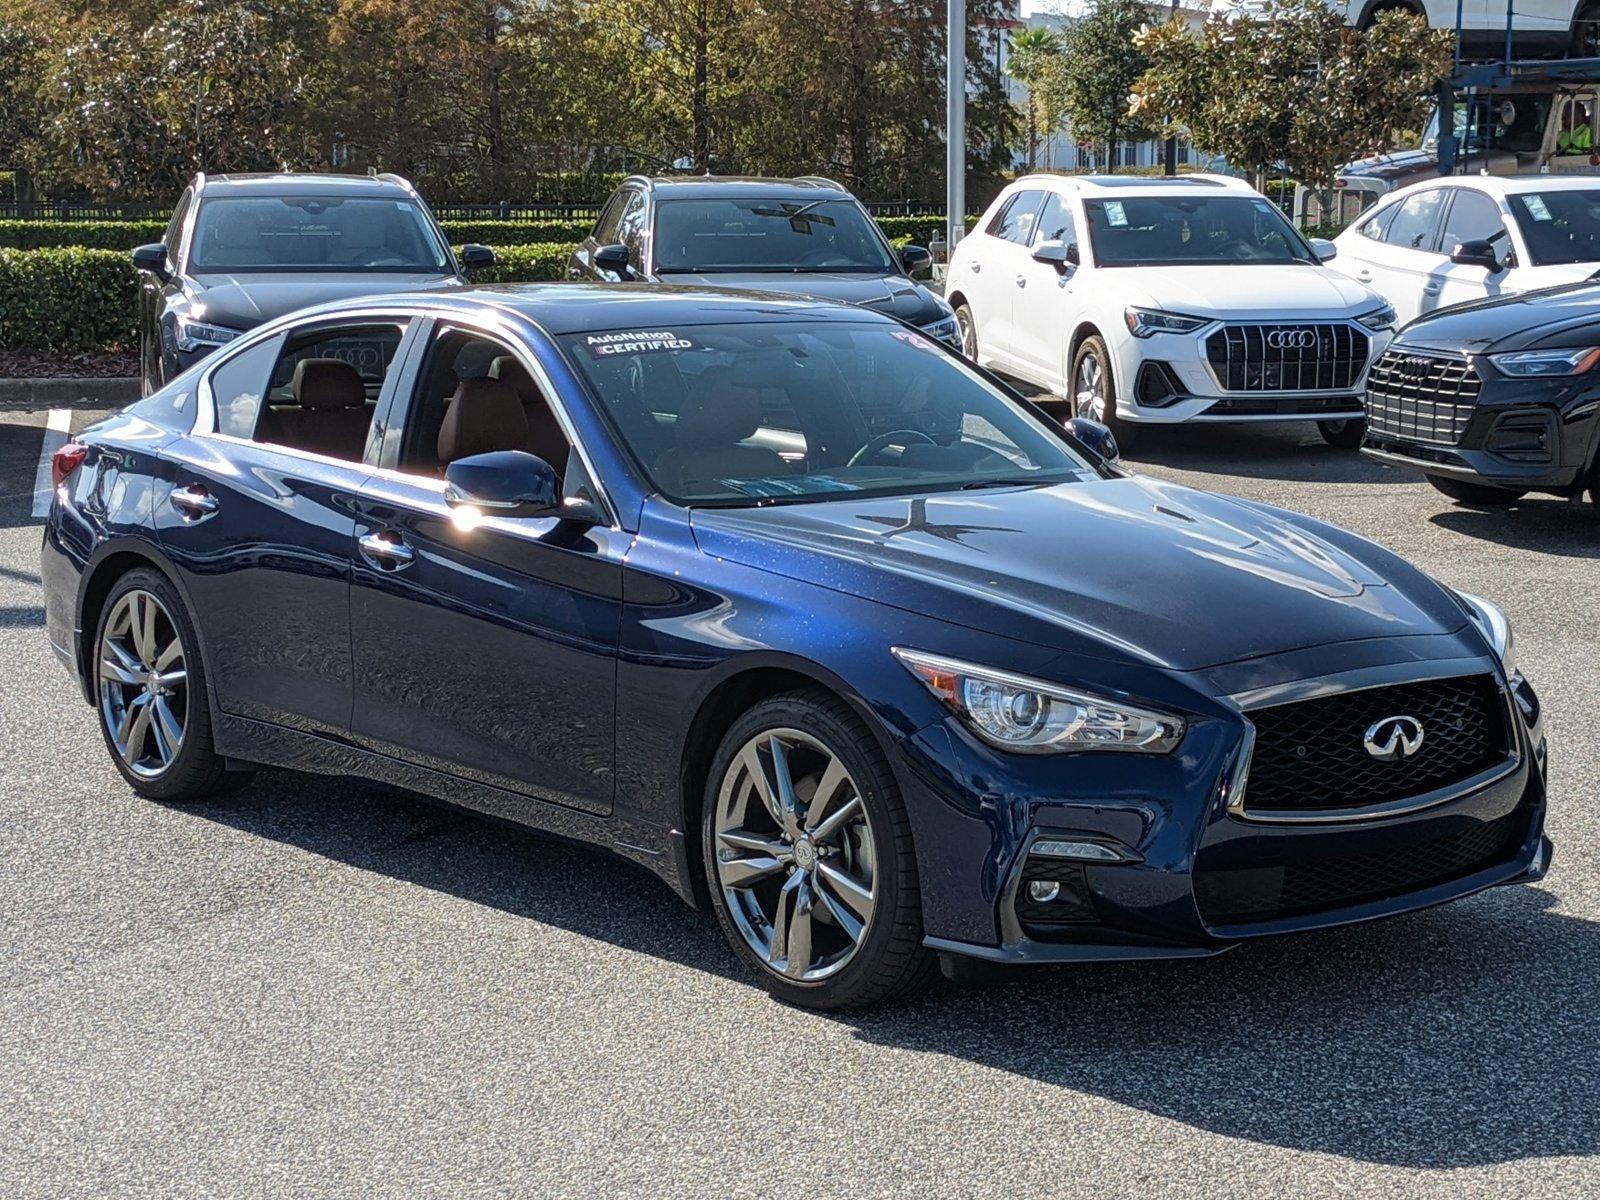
<point>1287,358</point>
<point>1244,895</point>
<point>1312,754</point>
<point>1420,396</point>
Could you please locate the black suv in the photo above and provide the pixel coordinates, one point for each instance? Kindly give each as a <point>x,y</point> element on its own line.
<point>1495,398</point>
<point>242,249</point>
<point>806,236</point>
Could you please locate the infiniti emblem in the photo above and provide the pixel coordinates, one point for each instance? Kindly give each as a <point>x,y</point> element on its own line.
<point>1393,738</point>
<point>1292,339</point>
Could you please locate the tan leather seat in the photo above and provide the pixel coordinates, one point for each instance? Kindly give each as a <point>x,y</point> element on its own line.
<point>545,437</point>
<point>484,415</point>
<point>713,422</point>
<point>330,414</point>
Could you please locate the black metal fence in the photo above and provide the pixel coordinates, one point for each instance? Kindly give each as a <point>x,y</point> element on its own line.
<point>503,210</point>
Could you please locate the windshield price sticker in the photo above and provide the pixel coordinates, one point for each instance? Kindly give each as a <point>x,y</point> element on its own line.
<point>640,341</point>
<point>1537,208</point>
<point>1116,214</point>
<point>919,340</point>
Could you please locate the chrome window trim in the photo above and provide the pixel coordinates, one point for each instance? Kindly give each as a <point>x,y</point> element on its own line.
<point>1236,782</point>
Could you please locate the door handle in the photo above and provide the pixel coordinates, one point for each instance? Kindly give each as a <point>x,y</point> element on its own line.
<point>1022,281</point>
<point>194,503</point>
<point>975,266</point>
<point>1432,289</point>
<point>386,551</point>
<point>1363,275</point>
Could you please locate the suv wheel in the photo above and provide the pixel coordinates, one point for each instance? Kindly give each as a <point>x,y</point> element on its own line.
<point>1475,493</point>
<point>969,332</point>
<point>1094,390</point>
<point>1345,435</point>
<point>809,857</point>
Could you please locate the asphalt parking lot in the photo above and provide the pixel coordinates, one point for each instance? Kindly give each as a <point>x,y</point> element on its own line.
<point>321,987</point>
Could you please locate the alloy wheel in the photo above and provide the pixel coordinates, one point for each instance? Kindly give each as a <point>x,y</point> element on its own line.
<point>795,856</point>
<point>1089,389</point>
<point>969,334</point>
<point>144,684</point>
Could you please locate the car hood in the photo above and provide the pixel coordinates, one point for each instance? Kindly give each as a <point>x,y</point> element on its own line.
<point>893,294</point>
<point>1568,314</point>
<point>1279,292</point>
<point>247,300</point>
<point>1128,569</point>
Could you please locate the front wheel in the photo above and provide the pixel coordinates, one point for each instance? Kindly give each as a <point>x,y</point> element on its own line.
<point>1477,494</point>
<point>1345,435</point>
<point>969,332</point>
<point>809,858</point>
<point>1094,390</point>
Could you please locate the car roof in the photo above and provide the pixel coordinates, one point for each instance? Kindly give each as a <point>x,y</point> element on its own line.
<point>666,187</point>
<point>295,183</point>
<point>561,308</point>
<point>1510,185</point>
<point>1148,185</point>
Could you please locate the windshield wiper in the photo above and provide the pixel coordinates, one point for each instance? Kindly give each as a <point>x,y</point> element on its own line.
<point>973,485</point>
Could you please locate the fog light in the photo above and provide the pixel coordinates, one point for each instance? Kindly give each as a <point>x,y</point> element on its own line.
<point>1043,891</point>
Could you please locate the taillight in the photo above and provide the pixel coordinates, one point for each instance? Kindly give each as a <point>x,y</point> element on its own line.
<point>65,461</point>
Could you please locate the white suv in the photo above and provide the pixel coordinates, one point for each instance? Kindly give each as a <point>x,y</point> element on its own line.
<point>1155,301</point>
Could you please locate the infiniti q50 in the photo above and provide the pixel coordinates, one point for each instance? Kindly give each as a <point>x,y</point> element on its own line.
<point>794,606</point>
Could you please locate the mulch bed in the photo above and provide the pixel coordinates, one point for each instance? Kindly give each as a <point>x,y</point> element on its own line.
<point>67,366</point>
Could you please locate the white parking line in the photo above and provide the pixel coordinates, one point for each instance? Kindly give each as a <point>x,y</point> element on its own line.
<point>55,436</point>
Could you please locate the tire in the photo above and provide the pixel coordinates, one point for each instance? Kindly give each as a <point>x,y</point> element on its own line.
<point>192,770</point>
<point>1092,390</point>
<point>1477,494</point>
<point>1594,487</point>
<point>1343,435</point>
<point>969,332</point>
<point>856,952</point>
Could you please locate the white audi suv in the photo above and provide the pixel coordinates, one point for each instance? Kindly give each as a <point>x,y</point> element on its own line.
<point>1146,301</point>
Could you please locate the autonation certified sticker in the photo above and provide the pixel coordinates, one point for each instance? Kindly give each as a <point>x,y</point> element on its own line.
<point>638,341</point>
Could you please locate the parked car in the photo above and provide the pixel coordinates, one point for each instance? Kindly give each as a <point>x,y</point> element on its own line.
<point>1155,301</point>
<point>1462,238</point>
<point>1497,398</point>
<point>243,249</point>
<point>1535,26</point>
<point>806,236</point>
<point>801,611</point>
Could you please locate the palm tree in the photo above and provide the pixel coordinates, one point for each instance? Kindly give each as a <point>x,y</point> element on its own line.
<point>1031,50</point>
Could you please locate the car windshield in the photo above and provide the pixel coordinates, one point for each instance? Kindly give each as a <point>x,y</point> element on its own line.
<point>754,413</point>
<point>315,233</point>
<point>1559,226</point>
<point>699,236</point>
<point>1144,231</point>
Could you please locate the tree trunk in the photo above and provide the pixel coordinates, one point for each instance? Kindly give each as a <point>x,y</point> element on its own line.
<point>497,159</point>
<point>861,105</point>
<point>701,103</point>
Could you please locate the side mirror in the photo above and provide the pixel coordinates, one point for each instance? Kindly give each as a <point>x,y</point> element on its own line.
<point>1074,255</point>
<point>503,483</point>
<point>475,257</point>
<point>612,258</point>
<point>1476,253</point>
<point>915,258</point>
<point>1057,254</point>
<point>1324,249</point>
<point>1094,435</point>
<point>153,258</point>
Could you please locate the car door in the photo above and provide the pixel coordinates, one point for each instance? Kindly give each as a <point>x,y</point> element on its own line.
<point>1404,265</point>
<point>258,512</point>
<point>1473,216</point>
<point>484,648</point>
<point>1047,299</point>
<point>994,271</point>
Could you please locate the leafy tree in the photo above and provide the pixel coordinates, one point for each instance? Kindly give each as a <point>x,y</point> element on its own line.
<point>1090,82</point>
<point>1031,53</point>
<point>1290,81</point>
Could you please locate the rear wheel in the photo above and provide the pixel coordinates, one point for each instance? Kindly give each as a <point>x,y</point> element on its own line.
<point>809,857</point>
<point>150,691</point>
<point>969,332</point>
<point>1475,493</point>
<point>1094,390</point>
<point>1345,435</point>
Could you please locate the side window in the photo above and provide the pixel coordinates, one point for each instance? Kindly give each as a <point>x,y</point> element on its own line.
<point>1015,222</point>
<point>1413,226</point>
<point>324,388</point>
<point>174,233</point>
<point>1473,217</point>
<point>1376,226</point>
<point>605,229</point>
<point>1055,222</point>
<point>239,386</point>
<point>631,223</point>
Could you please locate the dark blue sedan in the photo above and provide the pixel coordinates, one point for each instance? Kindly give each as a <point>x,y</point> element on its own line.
<point>798,609</point>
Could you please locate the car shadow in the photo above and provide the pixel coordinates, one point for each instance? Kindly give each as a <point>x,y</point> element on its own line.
<point>1289,452</point>
<point>1459,1037</point>
<point>1546,524</point>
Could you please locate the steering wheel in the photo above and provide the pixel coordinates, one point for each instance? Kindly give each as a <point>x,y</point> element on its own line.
<point>884,440</point>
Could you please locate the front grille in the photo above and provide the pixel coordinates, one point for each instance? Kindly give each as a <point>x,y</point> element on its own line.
<point>1312,754</point>
<point>1251,894</point>
<point>1287,358</point>
<point>1424,397</point>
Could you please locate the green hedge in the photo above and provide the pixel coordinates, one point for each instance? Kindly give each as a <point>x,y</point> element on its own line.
<point>74,299</point>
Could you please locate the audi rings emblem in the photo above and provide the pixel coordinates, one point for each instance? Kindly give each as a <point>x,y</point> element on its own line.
<point>1292,339</point>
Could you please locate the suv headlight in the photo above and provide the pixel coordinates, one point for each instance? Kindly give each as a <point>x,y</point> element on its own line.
<point>1143,322</point>
<point>944,329</point>
<point>1379,318</point>
<point>194,334</point>
<point>1496,629</point>
<point>1031,716</point>
<point>1533,364</point>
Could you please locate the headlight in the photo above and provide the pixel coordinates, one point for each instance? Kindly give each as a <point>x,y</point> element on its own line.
<point>1031,716</point>
<point>194,334</point>
<point>1142,322</point>
<point>1379,318</point>
<point>1530,364</point>
<point>1491,621</point>
<point>945,329</point>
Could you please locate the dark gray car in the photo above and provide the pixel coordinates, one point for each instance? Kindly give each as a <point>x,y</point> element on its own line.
<point>806,236</point>
<point>243,249</point>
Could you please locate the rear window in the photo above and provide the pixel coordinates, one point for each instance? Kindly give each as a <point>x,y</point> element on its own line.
<point>315,233</point>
